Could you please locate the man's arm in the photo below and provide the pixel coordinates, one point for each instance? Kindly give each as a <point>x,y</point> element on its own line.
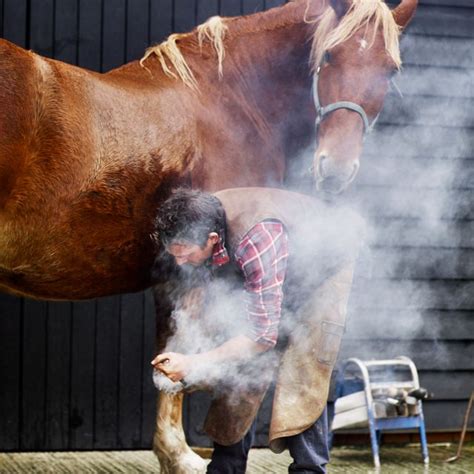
<point>176,366</point>
<point>262,257</point>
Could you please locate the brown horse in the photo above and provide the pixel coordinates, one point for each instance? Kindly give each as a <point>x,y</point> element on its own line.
<point>86,158</point>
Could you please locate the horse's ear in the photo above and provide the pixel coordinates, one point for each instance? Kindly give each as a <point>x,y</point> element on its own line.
<point>340,7</point>
<point>404,12</point>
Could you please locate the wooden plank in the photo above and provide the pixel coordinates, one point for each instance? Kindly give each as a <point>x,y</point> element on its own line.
<point>58,356</point>
<point>10,371</point>
<point>106,408</point>
<point>149,392</point>
<point>452,385</point>
<point>427,355</point>
<point>230,7</point>
<point>33,375</point>
<point>1,18</point>
<point>65,31</point>
<point>416,232</point>
<point>90,18</point>
<point>437,142</point>
<point>444,415</point>
<point>431,204</point>
<point>252,6</point>
<point>113,34</point>
<point>81,434</point>
<point>443,20</point>
<point>161,20</point>
<point>437,51</point>
<point>448,3</point>
<point>413,294</point>
<point>137,29</point>
<point>416,172</point>
<point>131,369</point>
<point>41,27</point>
<point>435,81</point>
<point>184,15</point>
<point>15,22</point>
<point>422,263</point>
<point>432,111</point>
<point>409,324</point>
<point>206,9</point>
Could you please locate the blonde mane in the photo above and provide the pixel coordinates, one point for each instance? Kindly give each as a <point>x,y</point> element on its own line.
<point>213,30</point>
<point>327,35</point>
<point>361,12</point>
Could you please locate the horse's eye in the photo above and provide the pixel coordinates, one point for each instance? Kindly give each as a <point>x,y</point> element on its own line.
<point>327,57</point>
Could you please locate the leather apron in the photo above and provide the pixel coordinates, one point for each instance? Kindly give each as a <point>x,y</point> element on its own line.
<point>330,240</point>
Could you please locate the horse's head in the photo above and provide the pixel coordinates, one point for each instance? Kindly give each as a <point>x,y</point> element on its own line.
<point>355,53</point>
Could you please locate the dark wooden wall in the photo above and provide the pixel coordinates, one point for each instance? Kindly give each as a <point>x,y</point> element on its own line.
<point>75,375</point>
<point>414,291</point>
<point>417,188</point>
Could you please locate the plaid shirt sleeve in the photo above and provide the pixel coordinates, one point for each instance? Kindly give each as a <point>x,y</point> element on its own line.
<point>262,256</point>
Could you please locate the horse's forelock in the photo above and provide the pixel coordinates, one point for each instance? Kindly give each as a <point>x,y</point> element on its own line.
<point>329,33</point>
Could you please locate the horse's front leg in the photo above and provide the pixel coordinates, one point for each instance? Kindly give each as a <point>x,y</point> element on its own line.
<point>169,442</point>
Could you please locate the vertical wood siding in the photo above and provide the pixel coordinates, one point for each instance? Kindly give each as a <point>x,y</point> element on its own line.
<point>76,375</point>
<point>416,187</point>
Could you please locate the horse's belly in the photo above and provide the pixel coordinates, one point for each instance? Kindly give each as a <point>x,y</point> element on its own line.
<point>70,268</point>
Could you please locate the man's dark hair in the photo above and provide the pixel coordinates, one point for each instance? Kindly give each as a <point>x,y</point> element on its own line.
<point>189,215</point>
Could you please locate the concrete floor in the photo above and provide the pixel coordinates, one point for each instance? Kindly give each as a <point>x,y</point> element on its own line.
<point>395,460</point>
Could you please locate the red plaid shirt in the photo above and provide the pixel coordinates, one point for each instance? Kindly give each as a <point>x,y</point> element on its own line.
<point>262,257</point>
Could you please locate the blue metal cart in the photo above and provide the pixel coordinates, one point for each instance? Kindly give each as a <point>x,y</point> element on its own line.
<point>377,425</point>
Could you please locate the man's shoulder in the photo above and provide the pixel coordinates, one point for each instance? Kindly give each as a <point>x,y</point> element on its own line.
<point>266,229</point>
<point>264,235</point>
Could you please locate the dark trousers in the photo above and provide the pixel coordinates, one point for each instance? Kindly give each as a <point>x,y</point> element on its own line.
<point>309,451</point>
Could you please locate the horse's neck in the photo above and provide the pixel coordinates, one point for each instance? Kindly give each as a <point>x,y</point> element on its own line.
<point>266,69</point>
<point>294,12</point>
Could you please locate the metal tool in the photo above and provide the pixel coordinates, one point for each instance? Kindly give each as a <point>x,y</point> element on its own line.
<point>464,429</point>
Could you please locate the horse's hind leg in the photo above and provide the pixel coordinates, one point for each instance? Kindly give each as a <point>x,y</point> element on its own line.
<point>169,443</point>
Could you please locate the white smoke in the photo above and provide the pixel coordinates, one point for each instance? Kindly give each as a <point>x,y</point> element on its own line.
<point>321,245</point>
<point>408,192</point>
<point>411,189</point>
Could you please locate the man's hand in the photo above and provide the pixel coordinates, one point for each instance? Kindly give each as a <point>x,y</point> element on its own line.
<point>177,366</point>
<point>174,365</point>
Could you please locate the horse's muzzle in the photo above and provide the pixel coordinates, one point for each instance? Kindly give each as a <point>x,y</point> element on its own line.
<point>331,178</point>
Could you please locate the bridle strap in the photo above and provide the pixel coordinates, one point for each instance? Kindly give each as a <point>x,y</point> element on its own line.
<point>321,112</point>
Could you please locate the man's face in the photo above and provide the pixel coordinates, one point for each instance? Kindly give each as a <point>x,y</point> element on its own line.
<point>192,254</point>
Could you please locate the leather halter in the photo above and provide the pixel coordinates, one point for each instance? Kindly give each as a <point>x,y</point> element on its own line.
<point>321,112</point>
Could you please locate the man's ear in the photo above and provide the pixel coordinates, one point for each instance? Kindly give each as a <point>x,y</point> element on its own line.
<point>214,237</point>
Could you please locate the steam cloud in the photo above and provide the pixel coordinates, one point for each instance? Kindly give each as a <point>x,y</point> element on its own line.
<point>322,246</point>
<point>406,193</point>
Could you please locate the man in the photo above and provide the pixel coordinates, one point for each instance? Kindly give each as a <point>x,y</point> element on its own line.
<point>254,230</point>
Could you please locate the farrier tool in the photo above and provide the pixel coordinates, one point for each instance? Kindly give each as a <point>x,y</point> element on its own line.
<point>464,429</point>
